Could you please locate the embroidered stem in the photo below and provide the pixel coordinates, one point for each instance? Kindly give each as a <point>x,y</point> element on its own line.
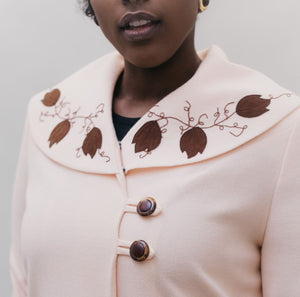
<point>102,154</point>
<point>185,126</point>
<point>284,94</point>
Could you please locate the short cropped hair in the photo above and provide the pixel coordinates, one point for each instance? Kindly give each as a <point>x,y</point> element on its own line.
<point>88,10</point>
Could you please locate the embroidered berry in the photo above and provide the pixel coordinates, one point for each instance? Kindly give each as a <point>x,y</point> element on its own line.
<point>59,132</point>
<point>148,137</point>
<point>51,98</point>
<point>252,106</point>
<point>193,142</point>
<point>92,142</point>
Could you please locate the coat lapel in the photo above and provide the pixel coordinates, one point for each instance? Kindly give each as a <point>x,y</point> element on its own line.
<point>72,121</point>
<point>220,108</point>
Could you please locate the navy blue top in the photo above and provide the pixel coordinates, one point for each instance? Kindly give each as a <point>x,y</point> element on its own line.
<point>122,124</point>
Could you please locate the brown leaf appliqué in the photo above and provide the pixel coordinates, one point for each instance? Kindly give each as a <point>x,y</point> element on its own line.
<point>148,137</point>
<point>193,138</point>
<point>59,132</point>
<point>252,106</point>
<point>92,142</point>
<point>51,98</point>
<point>193,142</point>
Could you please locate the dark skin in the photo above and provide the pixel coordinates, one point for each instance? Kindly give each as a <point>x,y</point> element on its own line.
<point>157,66</point>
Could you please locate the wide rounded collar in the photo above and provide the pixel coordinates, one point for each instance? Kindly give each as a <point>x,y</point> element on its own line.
<point>220,108</point>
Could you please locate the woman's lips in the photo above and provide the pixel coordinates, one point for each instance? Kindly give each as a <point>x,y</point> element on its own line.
<point>138,26</point>
<point>141,32</point>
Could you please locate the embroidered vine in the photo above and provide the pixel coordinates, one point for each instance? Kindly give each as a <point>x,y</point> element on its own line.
<point>61,109</point>
<point>193,138</point>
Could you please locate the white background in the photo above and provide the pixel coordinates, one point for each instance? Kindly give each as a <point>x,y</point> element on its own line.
<point>42,42</point>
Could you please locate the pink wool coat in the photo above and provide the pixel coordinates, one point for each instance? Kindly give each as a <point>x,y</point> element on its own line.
<point>200,199</point>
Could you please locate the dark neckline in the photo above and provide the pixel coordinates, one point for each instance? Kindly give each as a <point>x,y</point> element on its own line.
<point>124,120</point>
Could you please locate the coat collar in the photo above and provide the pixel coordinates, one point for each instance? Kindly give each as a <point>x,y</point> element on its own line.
<point>220,108</point>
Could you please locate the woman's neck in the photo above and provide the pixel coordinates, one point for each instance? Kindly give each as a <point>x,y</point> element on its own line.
<point>138,89</point>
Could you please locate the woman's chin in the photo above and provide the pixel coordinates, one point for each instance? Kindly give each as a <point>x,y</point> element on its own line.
<point>146,59</point>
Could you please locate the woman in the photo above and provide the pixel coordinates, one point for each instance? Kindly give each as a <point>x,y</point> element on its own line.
<point>158,170</point>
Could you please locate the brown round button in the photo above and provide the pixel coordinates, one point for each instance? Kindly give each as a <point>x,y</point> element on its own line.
<point>139,250</point>
<point>146,206</point>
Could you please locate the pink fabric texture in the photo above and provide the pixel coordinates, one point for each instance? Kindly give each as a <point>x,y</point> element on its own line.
<point>220,156</point>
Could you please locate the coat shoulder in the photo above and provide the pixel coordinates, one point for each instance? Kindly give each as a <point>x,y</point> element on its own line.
<point>78,81</point>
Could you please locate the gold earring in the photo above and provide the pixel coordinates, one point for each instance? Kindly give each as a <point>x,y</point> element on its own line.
<point>203,4</point>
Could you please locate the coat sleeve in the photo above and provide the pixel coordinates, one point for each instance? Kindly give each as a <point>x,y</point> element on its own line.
<point>16,262</point>
<point>280,254</point>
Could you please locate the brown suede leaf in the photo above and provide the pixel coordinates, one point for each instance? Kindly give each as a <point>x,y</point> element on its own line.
<point>51,98</point>
<point>193,142</point>
<point>252,106</point>
<point>59,132</point>
<point>92,142</point>
<point>148,137</point>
